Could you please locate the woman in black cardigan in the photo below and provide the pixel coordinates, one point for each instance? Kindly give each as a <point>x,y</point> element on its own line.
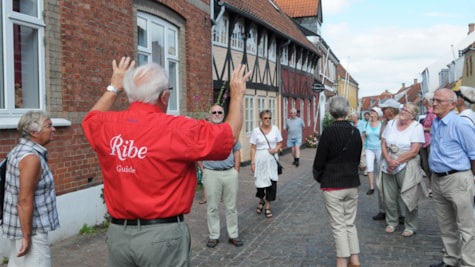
<point>336,169</point>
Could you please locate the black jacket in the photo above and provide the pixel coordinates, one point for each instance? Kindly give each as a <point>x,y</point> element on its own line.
<point>338,156</point>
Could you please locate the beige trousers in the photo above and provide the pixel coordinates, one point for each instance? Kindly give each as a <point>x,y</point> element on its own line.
<point>453,201</point>
<point>341,207</point>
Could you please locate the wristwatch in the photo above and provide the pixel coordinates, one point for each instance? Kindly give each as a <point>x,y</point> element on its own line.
<point>111,88</point>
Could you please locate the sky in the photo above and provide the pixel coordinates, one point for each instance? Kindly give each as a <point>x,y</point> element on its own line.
<point>383,44</point>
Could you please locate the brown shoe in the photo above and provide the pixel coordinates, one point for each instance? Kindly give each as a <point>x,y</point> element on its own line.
<point>236,242</point>
<point>351,265</point>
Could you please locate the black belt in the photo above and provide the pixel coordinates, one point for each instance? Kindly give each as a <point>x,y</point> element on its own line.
<point>222,169</point>
<point>445,173</point>
<point>173,219</point>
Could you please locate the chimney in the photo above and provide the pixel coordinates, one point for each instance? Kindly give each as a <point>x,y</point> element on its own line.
<point>403,85</point>
<point>471,28</point>
<point>415,81</point>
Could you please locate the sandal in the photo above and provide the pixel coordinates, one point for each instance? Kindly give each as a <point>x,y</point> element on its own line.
<point>408,233</point>
<point>268,213</point>
<point>260,207</point>
<point>203,201</point>
<point>212,243</point>
<point>390,229</point>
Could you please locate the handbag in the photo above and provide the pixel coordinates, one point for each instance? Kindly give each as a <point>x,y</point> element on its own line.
<point>279,166</point>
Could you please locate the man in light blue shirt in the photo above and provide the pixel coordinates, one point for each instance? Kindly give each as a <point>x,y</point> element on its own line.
<point>452,161</point>
<point>294,140</point>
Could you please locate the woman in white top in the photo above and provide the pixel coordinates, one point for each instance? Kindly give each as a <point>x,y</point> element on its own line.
<point>401,170</point>
<point>266,142</point>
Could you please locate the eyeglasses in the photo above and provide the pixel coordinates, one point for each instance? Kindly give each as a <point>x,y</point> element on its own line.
<point>407,111</point>
<point>161,93</point>
<point>267,118</point>
<point>434,100</point>
<point>216,112</point>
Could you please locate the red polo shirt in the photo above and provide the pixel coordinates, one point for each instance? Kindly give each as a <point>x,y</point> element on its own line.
<point>148,158</point>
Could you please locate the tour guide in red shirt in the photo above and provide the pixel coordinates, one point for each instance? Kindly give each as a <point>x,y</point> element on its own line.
<point>148,162</point>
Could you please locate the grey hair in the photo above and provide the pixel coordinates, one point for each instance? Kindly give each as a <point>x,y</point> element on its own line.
<point>451,93</point>
<point>145,83</point>
<point>355,114</point>
<point>428,96</point>
<point>339,107</point>
<point>413,107</point>
<point>293,110</point>
<point>31,121</point>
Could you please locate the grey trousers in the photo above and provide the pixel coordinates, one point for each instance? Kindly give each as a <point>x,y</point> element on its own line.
<point>167,244</point>
<point>392,184</point>
<point>225,184</point>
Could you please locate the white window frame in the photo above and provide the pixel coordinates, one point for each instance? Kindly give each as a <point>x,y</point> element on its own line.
<point>249,113</point>
<point>285,111</point>
<point>299,63</point>
<point>237,42</point>
<point>220,33</point>
<point>284,59</point>
<point>251,42</point>
<point>273,50</point>
<point>309,119</point>
<point>302,109</point>
<point>314,105</point>
<point>261,103</point>
<point>272,102</point>
<point>168,58</point>
<point>292,59</point>
<point>262,47</point>
<point>9,114</point>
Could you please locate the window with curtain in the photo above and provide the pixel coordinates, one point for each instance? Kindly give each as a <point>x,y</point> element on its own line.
<point>220,33</point>
<point>157,42</point>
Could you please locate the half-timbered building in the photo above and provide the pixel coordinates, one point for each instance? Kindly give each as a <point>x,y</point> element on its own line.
<point>262,36</point>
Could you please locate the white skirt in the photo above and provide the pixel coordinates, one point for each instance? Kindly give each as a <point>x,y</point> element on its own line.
<point>265,168</point>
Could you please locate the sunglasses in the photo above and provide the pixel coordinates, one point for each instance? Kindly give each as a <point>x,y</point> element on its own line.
<point>216,112</point>
<point>267,118</point>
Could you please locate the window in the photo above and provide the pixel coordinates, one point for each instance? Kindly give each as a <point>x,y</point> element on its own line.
<point>249,113</point>
<point>304,65</point>
<point>285,111</point>
<point>284,59</point>
<point>292,59</point>
<point>272,50</point>
<point>251,43</point>
<point>299,63</point>
<point>309,119</point>
<point>22,70</point>
<point>157,41</point>
<point>272,109</point>
<point>293,103</point>
<point>236,38</point>
<point>220,33</point>
<point>262,48</point>
<point>315,119</point>
<point>261,103</point>
<point>302,109</point>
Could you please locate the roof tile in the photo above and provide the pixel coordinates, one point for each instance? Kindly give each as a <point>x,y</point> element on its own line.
<point>301,8</point>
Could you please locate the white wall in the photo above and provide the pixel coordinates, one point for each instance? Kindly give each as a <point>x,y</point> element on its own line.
<point>74,210</point>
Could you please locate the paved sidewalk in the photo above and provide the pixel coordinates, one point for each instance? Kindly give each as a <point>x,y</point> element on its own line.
<point>297,235</point>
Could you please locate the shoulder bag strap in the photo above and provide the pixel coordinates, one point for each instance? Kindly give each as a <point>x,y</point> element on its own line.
<point>267,141</point>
